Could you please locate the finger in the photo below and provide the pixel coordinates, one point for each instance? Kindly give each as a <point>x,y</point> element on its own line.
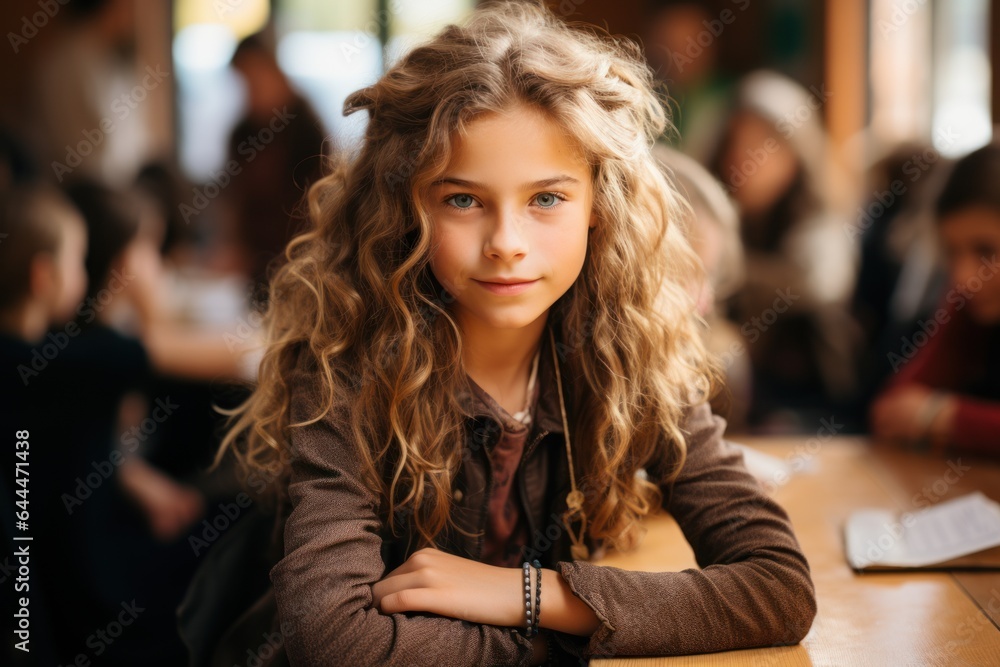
<point>391,585</point>
<point>413,599</point>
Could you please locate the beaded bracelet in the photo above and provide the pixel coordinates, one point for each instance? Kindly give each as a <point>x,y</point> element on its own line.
<point>538,592</point>
<point>527,599</point>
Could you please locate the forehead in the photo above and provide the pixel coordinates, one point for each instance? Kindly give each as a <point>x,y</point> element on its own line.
<point>517,142</point>
<point>974,221</point>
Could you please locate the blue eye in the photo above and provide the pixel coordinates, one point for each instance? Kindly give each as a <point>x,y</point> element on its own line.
<point>547,199</point>
<point>461,201</point>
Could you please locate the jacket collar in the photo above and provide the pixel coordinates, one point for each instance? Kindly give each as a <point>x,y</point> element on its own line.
<point>476,402</point>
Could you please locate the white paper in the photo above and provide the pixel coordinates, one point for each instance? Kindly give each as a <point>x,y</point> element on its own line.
<point>958,527</point>
<point>771,469</point>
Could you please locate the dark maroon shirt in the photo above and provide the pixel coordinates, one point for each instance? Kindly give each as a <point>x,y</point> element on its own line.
<point>506,526</point>
<point>963,357</point>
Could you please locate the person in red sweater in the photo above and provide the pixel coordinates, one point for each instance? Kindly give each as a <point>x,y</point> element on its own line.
<point>946,389</point>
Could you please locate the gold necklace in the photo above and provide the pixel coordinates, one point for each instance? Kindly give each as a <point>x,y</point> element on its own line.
<point>574,499</point>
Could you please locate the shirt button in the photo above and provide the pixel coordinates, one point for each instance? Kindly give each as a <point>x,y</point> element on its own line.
<point>457,495</point>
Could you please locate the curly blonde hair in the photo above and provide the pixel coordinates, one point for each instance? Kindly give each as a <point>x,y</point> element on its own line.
<point>358,306</point>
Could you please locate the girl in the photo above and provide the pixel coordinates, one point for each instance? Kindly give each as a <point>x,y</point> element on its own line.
<point>482,340</point>
<point>947,394</point>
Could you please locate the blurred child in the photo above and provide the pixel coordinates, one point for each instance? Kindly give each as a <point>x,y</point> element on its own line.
<point>123,267</point>
<point>67,378</point>
<point>946,389</point>
<point>900,279</point>
<point>43,242</point>
<point>714,232</point>
<point>42,270</point>
<point>800,265</point>
<point>107,526</point>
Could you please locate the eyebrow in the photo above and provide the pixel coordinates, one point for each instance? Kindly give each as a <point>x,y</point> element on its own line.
<point>544,183</point>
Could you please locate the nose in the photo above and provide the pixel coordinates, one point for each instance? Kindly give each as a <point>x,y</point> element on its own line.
<point>506,239</point>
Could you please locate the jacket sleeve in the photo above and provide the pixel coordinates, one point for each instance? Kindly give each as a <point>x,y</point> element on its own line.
<point>975,426</point>
<point>323,584</point>
<point>753,588</point>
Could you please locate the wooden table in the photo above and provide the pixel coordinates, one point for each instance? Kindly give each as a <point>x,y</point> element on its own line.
<point>900,618</point>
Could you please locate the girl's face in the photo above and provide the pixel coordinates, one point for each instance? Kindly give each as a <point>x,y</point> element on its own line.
<point>971,242</point>
<point>514,207</point>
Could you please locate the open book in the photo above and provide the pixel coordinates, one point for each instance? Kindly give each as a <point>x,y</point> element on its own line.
<point>956,534</point>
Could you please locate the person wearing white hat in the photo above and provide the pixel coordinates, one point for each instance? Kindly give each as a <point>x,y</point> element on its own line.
<point>773,158</point>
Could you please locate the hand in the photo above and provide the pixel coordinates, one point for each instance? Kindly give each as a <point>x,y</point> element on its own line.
<point>899,415</point>
<point>441,583</point>
<point>171,508</point>
<point>143,269</point>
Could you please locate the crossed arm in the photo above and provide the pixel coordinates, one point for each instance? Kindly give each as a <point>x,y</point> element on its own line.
<point>441,583</point>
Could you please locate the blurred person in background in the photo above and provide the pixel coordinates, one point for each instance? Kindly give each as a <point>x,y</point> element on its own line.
<point>278,146</point>
<point>89,116</point>
<point>682,50</point>
<point>127,237</point>
<point>114,527</point>
<point>43,242</point>
<point>160,186</point>
<point>714,233</point>
<point>800,266</point>
<point>133,542</point>
<point>130,321</point>
<point>900,280</point>
<point>199,304</point>
<point>945,392</point>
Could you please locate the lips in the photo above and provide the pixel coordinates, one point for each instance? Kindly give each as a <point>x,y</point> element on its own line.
<point>506,286</point>
<point>508,281</point>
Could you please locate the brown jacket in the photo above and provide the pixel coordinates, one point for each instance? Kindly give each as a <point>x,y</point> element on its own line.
<point>754,590</point>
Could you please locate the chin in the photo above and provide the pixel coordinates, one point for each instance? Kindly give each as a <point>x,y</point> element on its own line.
<point>512,319</point>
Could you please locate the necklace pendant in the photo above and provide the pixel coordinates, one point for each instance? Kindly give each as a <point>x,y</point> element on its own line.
<point>580,552</point>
